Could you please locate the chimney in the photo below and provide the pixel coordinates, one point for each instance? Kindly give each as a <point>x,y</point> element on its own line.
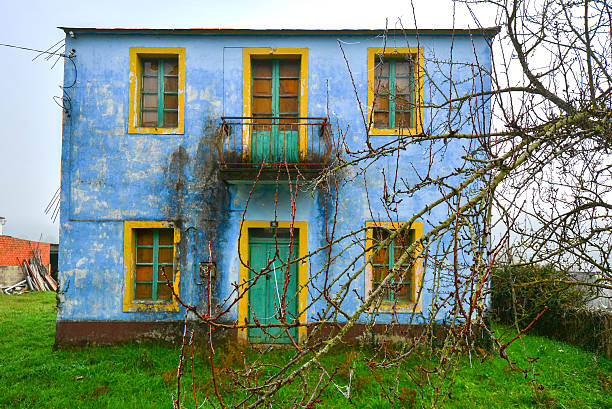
<point>2,222</point>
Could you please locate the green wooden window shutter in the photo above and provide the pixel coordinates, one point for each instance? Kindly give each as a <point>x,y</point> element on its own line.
<point>394,92</point>
<point>275,102</point>
<point>275,85</point>
<point>400,287</point>
<point>154,251</point>
<point>159,93</point>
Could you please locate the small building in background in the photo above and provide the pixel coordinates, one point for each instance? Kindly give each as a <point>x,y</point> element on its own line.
<point>14,251</point>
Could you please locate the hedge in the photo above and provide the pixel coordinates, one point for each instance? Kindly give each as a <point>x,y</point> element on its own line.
<point>566,318</point>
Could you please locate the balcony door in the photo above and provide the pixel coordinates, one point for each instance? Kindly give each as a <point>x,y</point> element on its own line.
<point>275,108</point>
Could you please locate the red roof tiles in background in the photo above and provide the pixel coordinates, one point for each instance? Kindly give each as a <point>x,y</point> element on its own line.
<point>13,251</point>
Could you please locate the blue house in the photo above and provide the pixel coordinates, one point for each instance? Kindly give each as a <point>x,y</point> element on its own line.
<point>199,168</point>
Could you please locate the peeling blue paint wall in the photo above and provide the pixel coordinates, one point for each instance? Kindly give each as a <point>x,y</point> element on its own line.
<point>110,176</point>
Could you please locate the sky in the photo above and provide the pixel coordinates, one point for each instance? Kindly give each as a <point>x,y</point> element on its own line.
<point>30,145</point>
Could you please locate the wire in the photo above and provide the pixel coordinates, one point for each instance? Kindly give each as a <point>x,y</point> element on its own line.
<point>75,70</point>
<point>48,49</point>
<point>32,49</point>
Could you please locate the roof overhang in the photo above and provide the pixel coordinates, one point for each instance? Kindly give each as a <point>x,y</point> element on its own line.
<point>488,31</point>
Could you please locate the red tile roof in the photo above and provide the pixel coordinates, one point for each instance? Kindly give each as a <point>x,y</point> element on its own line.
<point>13,251</point>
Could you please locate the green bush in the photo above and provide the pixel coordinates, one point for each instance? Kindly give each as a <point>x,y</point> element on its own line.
<point>520,294</point>
<point>534,288</point>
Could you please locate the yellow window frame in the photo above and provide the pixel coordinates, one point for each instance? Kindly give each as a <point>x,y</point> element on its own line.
<point>273,53</point>
<point>129,242</point>
<point>417,278</point>
<point>243,273</point>
<point>396,52</point>
<point>136,56</point>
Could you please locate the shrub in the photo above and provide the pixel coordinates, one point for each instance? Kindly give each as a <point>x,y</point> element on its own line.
<point>534,288</point>
<point>566,318</point>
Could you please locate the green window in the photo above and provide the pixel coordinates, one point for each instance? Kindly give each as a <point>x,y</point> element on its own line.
<point>159,99</point>
<point>276,85</point>
<point>154,252</point>
<point>275,108</point>
<point>394,92</point>
<point>400,286</point>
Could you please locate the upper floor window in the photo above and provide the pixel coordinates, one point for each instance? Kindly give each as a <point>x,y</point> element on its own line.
<point>157,89</point>
<point>159,95</point>
<point>275,83</point>
<point>395,90</point>
<point>275,110</point>
<point>276,88</point>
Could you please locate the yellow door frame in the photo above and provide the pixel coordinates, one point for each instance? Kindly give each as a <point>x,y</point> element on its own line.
<point>243,272</point>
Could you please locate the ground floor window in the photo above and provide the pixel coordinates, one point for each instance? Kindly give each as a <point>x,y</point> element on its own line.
<point>385,259</point>
<point>152,273</point>
<point>386,253</point>
<point>154,267</point>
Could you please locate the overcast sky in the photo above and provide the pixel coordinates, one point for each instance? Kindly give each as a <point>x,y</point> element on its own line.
<point>30,144</point>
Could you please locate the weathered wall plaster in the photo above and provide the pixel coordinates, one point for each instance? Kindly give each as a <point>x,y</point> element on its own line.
<point>109,176</point>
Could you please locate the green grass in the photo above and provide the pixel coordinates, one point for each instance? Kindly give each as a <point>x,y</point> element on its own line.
<point>33,375</point>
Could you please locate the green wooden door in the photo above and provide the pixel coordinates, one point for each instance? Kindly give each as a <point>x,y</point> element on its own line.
<point>265,297</point>
<point>275,107</point>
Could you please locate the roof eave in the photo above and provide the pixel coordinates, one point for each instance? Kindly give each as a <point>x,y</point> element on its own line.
<point>487,31</point>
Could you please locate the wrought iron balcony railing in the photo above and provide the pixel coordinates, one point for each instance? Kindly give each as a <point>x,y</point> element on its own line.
<point>245,143</point>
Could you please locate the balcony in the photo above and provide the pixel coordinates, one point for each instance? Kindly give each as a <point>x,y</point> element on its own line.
<point>267,148</point>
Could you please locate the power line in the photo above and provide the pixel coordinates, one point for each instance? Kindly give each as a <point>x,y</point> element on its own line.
<point>32,49</point>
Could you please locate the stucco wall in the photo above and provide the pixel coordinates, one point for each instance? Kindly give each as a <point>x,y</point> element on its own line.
<point>109,176</point>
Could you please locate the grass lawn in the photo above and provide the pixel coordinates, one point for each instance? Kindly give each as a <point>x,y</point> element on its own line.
<point>33,375</point>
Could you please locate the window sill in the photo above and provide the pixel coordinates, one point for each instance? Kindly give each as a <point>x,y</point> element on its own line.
<point>399,307</point>
<point>156,131</point>
<point>152,302</point>
<point>393,131</point>
<point>151,306</point>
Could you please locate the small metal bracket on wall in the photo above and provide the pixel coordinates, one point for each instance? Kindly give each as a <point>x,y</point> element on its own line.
<point>208,268</point>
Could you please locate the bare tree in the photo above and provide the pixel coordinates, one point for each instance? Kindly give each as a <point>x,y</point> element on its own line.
<point>557,207</point>
<point>533,186</point>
